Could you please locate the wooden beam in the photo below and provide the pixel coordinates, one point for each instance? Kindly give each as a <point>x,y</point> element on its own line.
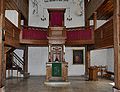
<point>116,25</point>
<point>2,24</point>
<point>4,64</point>
<point>87,21</point>
<point>25,67</point>
<point>87,59</point>
<point>95,20</point>
<point>85,3</point>
<point>26,17</point>
<point>19,20</point>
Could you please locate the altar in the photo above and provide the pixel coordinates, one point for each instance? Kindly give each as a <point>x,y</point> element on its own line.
<point>56,67</point>
<point>56,71</point>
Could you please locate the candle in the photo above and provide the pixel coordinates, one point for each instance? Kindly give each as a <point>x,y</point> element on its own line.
<point>49,48</point>
<point>64,48</point>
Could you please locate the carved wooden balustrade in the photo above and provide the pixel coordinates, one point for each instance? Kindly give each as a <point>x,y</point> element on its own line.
<point>74,36</point>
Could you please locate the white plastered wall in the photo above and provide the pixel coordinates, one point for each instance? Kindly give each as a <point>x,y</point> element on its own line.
<point>12,15</point>
<point>38,56</point>
<point>73,5</point>
<point>103,57</point>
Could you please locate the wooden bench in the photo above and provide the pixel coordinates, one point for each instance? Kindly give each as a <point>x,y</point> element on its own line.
<point>108,74</point>
<point>102,70</point>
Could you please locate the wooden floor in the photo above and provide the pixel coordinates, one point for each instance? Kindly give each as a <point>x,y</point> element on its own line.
<point>78,84</point>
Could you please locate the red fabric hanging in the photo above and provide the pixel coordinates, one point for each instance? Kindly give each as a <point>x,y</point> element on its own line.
<point>56,18</point>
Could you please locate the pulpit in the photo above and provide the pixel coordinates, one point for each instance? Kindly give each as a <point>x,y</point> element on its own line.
<point>56,67</point>
<point>93,73</point>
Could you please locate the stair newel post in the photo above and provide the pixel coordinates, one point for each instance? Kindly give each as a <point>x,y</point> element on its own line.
<point>16,61</point>
<point>12,64</point>
<point>7,55</point>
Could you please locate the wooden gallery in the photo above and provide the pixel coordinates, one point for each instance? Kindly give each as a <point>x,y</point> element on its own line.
<point>59,45</point>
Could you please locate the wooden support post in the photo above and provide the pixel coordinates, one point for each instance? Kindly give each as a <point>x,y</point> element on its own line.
<point>95,20</point>
<point>19,20</point>
<point>87,21</point>
<point>116,24</point>
<point>17,73</point>
<point>4,65</point>
<point>25,67</point>
<point>8,73</point>
<point>26,18</point>
<point>87,59</point>
<point>2,62</point>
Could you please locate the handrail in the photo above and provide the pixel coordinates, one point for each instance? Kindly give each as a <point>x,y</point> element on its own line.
<point>18,58</point>
<point>12,62</point>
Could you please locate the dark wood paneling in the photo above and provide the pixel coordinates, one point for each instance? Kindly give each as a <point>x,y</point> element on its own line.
<point>11,5</point>
<point>92,7</point>
<point>104,9</point>
<point>18,5</point>
<point>104,35</point>
<point>11,34</point>
<point>2,54</point>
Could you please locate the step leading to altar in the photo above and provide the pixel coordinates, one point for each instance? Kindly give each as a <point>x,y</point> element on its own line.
<point>57,83</point>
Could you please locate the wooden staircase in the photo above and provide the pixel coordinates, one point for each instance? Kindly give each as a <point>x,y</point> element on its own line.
<point>14,62</point>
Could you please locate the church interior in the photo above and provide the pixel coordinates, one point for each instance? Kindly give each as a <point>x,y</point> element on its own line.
<point>59,45</point>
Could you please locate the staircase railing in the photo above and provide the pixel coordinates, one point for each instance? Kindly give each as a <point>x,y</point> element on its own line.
<point>18,58</point>
<point>15,63</point>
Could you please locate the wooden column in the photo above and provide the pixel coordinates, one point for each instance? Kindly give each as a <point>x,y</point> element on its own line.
<point>87,21</point>
<point>95,20</point>
<point>19,20</point>
<point>25,67</point>
<point>87,60</point>
<point>4,64</point>
<point>2,24</point>
<point>26,22</point>
<point>116,24</point>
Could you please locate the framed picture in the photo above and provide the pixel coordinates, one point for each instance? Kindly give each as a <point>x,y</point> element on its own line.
<point>78,57</point>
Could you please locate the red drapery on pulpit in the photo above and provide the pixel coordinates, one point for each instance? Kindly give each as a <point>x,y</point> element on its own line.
<point>56,17</point>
